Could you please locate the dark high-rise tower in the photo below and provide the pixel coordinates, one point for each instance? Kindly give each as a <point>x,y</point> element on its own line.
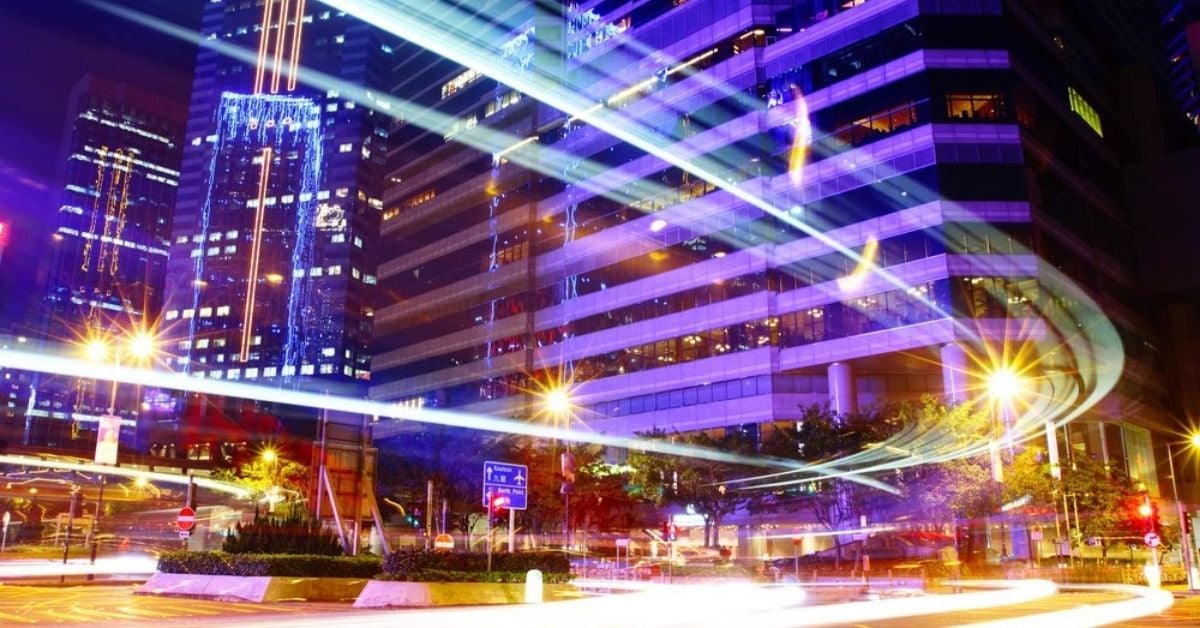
<point>120,170</point>
<point>119,173</point>
<point>271,261</point>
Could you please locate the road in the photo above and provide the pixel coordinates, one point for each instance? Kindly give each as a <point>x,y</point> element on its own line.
<point>724,605</point>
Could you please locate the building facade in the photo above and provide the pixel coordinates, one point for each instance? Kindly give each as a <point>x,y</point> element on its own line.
<point>271,258</point>
<point>119,172</point>
<point>969,154</point>
<point>1181,30</point>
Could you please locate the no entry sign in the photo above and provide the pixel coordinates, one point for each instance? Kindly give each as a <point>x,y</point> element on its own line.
<point>186,520</point>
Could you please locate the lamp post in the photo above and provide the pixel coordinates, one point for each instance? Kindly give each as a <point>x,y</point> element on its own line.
<point>1186,545</point>
<point>269,455</point>
<point>1004,385</point>
<point>556,402</point>
<point>141,347</point>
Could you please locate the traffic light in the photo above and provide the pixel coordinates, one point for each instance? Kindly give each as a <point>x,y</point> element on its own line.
<point>1187,524</point>
<point>669,531</point>
<point>496,504</point>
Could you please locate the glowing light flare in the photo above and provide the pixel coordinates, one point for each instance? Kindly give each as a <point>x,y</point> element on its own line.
<point>1004,384</point>
<point>142,346</point>
<point>658,225</point>
<point>1195,440</point>
<point>866,264</point>
<point>96,350</point>
<point>801,139</point>
<point>269,455</point>
<point>557,401</point>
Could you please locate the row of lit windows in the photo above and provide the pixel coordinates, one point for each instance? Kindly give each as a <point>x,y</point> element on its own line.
<point>205,312</point>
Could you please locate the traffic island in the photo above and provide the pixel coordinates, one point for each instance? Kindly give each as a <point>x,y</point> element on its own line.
<point>261,577</point>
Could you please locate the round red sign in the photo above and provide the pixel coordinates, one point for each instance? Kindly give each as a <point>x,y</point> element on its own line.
<point>186,519</point>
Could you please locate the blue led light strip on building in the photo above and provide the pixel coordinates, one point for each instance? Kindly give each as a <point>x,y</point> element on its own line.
<point>247,124</point>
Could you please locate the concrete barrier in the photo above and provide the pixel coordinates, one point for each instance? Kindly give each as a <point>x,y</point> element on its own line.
<point>254,588</point>
<point>387,593</point>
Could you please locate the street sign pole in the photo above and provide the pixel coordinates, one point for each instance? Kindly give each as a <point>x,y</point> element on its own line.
<point>512,518</point>
<point>487,532</point>
<point>4,538</point>
<point>71,508</point>
<point>96,524</point>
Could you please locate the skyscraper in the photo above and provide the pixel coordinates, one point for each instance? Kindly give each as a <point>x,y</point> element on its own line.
<point>700,279</point>
<point>119,172</point>
<point>271,257</point>
<point>1181,29</point>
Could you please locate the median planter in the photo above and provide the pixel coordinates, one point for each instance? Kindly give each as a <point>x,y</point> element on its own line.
<point>254,588</point>
<point>390,593</point>
<point>261,577</point>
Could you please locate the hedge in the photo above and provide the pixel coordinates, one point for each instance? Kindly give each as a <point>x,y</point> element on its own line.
<point>418,565</point>
<point>442,575</point>
<point>287,565</point>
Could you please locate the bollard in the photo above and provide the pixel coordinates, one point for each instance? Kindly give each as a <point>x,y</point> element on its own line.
<point>533,587</point>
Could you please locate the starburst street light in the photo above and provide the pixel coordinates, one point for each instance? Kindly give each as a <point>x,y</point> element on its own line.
<point>1004,384</point>
<point>96,350</point>
<point>557,402</point>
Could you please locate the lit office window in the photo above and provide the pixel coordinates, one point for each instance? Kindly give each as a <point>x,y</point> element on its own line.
<point>1085,110</point>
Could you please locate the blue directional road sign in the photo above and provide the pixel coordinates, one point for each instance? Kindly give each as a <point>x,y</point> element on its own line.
<point>506,480</point>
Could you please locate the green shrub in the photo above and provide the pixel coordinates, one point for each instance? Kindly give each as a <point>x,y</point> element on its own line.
<point>442,575</point>
<point>288,535</point>
<point>285,565</point>
<point>417,565</point>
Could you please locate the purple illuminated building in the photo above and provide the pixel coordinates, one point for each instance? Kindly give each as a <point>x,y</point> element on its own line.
<point>973,150</point>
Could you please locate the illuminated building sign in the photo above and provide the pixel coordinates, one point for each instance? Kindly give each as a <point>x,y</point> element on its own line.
<point>1084,110</point>
<point>3,234</point>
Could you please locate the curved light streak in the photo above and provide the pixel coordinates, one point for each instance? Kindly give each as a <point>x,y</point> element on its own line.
<point>71,367</point>
<point>1143,603</point>
<point>153,476</point>
<point>855,279</point>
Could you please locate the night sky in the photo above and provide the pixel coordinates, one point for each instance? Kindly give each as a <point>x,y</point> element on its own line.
<point>46,46</point>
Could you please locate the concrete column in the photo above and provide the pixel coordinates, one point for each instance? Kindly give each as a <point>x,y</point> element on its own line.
<point>954,374</point>
<point>843,397</point>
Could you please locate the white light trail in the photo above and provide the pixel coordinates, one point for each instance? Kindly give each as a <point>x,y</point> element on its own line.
<point>153,476</point>
<point>70,367</point>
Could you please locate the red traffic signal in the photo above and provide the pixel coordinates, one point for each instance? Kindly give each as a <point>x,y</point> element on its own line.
<point>670,532</point>
<point>497,503</point>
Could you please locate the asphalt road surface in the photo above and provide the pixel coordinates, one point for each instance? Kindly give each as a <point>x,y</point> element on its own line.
<point>684,606</point>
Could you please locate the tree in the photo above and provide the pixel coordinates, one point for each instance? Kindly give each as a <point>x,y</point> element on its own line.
<point>261,477</point>
<point>693,482</point>
<point>452,458</point>
<point>824,436</point>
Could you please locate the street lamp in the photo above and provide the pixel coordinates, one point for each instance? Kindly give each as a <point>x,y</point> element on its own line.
<point>557,403</point>
<point>1003,386</point>
<point>270,456</point>
<point>1186,545</point>
<point>140,346</point>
